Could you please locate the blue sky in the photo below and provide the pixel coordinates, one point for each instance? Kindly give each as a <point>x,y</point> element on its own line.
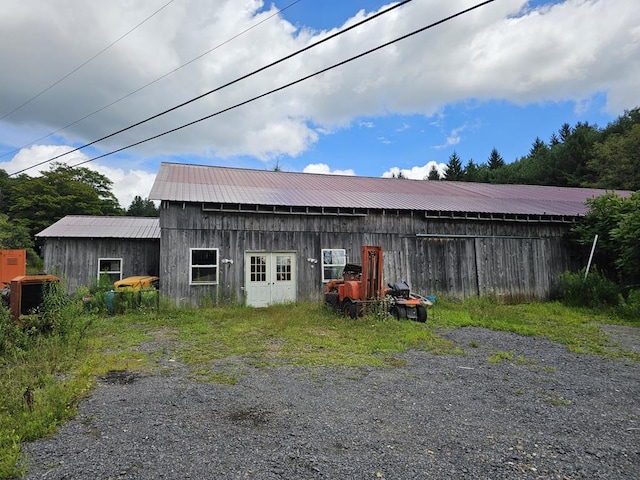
<point>497,77</point>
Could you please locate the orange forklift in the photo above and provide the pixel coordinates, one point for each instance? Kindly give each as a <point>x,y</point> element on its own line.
<point>361,290</point>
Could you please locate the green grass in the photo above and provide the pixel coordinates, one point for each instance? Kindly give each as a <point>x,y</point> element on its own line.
<point>219,344</point>
<point>578,329</point>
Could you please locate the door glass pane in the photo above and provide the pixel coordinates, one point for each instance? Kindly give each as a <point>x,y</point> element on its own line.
<point>258,268</point>
<point>283,268</point>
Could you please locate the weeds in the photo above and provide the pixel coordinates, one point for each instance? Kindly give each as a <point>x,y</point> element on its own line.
<point>501,356</point>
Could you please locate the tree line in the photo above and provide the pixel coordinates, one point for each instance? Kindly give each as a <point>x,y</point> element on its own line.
<point>579,156</point>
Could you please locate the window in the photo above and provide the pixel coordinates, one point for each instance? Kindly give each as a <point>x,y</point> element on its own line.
<point>110,267</point>
<point>258,268</point>
<point>283,268</point>
<point>203,266</point>
<point>333,262</point>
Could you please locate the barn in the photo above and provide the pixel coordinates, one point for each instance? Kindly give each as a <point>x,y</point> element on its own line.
<point>81,248</point>
<point>262,237</point>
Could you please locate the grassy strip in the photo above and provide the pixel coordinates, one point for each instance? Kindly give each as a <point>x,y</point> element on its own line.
<point>578,329</point>
<point>58,370</point>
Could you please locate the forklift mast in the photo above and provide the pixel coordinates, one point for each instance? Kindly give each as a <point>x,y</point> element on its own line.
<point>371,273</point>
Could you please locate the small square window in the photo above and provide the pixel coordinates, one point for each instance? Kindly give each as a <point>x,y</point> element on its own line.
<point>203,266</point>
<point>111,268</point>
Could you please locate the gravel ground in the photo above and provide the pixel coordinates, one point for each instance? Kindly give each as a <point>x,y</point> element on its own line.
<point>546,413</point>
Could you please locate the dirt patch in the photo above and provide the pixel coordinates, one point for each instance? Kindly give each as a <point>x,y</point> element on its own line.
<point>119,377</point>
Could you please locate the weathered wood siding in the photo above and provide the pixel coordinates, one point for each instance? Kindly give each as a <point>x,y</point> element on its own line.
<point>76,259</point>
<point>459,257</point>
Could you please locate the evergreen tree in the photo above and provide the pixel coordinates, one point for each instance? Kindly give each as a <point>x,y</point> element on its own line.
<point>495,160</point>
<point>433,173</point>
<point>470,172</point>
<point>564,131</point>
<point>455,171</point>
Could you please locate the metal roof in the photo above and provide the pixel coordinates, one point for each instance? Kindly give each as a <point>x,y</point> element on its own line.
<point>209,184</point>
<point>79,226</point>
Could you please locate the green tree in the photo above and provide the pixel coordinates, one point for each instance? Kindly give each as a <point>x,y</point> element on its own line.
<point>626,235</point>
<point>13,235</point>
<point>564,132</point>
<point>616,161</point>
<point>455,172</point>
<point>470,171</point>
<point>38,202</point>
<point>495,160</point>
<point>142,208</point>
<point>576,152</point>
<point>616,221</point>
<point>433,173</point>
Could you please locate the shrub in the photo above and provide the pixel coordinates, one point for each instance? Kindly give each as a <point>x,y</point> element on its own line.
<point>630,307</point>
<point>593,291</point>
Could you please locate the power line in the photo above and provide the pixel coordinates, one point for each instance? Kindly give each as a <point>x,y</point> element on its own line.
<point>199,97</point>
<point>153,81</point>
<point>300,80</point>
<point>85,63</point>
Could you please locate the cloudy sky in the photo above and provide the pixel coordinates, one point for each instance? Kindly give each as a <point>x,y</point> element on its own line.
<point>74,71</point>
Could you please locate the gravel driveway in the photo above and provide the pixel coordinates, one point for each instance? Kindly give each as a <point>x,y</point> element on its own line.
<point>544,413</point>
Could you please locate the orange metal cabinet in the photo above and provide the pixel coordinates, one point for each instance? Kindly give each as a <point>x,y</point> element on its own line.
<point>13,263</point>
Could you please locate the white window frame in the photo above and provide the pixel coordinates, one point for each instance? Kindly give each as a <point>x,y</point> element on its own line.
<point>324,265</point>
<point>110,272</point>
<point>216,266</point>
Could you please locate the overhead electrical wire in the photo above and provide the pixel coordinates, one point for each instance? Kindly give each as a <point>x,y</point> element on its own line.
<point>302,79</point>
<point>239,79</point>
<point>84,63</point>
<point>152,82</point>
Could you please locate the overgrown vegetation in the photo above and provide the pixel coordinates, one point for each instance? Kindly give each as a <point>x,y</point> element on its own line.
<point>612,225</point>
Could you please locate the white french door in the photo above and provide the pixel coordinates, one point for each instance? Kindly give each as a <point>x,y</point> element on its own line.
<point>270,277</point>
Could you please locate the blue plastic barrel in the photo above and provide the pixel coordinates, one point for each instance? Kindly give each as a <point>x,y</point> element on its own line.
<point>109,300</point>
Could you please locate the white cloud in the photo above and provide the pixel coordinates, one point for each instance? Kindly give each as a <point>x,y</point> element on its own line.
<point>127,184</point>
<point>416,172</point>
<point>325,169</point>
<point>453,138</point>
<point>30,156</point>
<point>503,51</point>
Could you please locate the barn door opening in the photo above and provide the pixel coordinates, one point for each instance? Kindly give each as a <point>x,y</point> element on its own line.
<point>270,277</point>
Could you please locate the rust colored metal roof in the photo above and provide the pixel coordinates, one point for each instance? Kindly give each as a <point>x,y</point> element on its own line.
<point>208,184</point>
<point>79,226</point>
